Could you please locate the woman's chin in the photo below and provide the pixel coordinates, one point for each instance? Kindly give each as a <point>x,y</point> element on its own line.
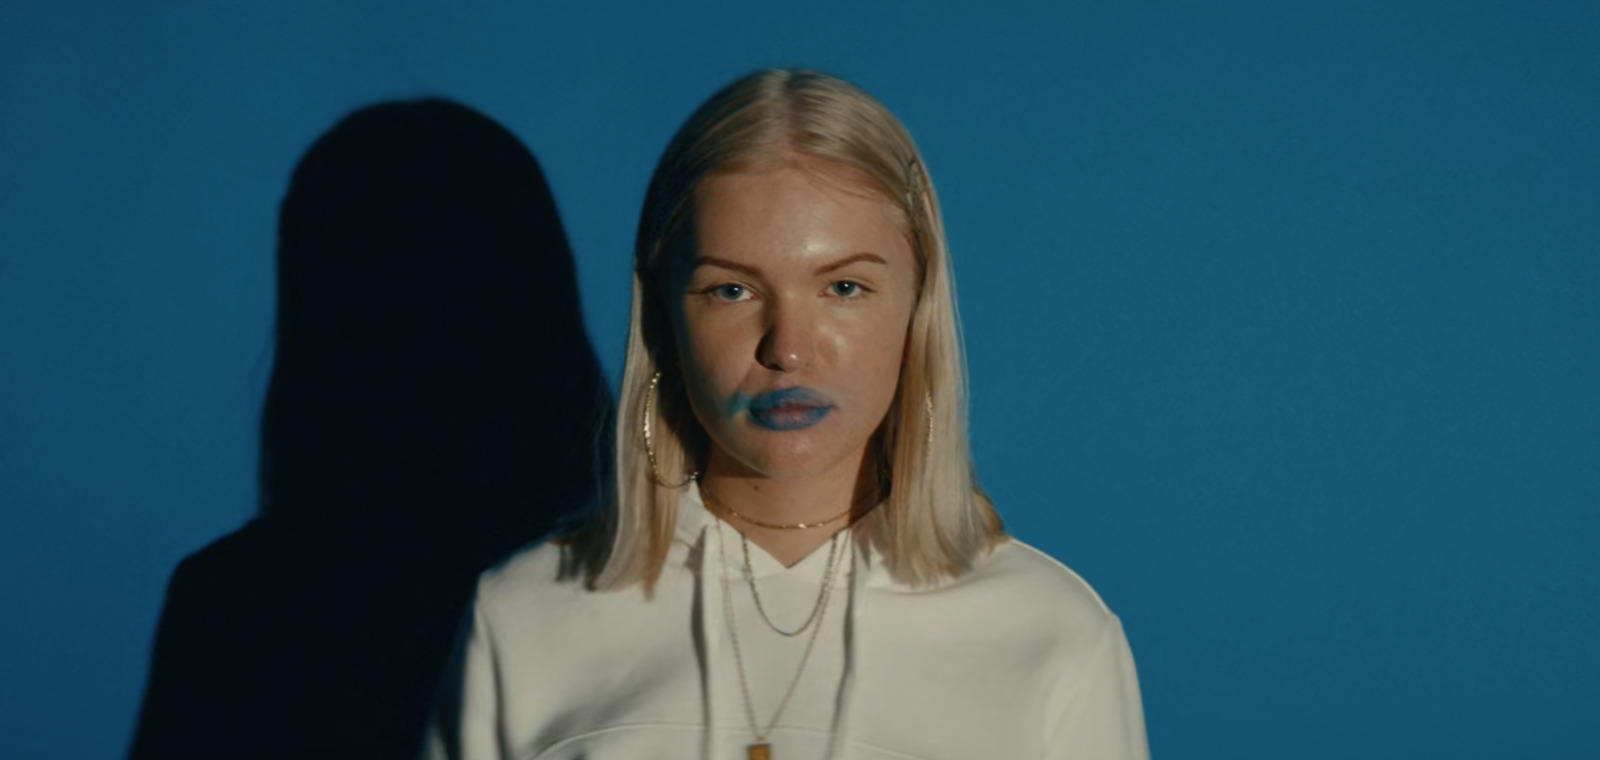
<point>798,460</point>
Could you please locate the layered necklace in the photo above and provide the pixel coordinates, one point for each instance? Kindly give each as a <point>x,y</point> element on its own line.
<point>761,748</point>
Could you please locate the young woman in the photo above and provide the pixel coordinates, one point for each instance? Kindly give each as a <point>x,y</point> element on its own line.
<point>795,560</point>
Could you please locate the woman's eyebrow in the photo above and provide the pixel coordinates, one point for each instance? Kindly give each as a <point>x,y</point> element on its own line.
<point>712,261</point>
<point>851,259</point>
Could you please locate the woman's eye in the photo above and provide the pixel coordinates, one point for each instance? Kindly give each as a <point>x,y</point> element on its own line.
<point>729,292</point>
<point>846,289</point>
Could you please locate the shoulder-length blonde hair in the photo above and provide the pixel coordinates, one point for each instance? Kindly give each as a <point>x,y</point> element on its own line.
<point>933,521</point>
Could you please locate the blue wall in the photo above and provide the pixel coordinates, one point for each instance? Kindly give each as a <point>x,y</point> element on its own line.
<point>1284,321</point>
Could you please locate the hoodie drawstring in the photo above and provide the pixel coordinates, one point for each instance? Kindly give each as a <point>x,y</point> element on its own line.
<point>840,730</point>
<point>708,596</point>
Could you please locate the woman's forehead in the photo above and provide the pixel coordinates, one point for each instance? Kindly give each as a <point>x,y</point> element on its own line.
<point>792,214</point>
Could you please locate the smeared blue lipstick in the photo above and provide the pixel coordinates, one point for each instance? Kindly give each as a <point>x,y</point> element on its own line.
<point>789,409</point>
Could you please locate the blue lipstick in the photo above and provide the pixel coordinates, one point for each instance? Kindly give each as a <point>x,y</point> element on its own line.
<point>789,409</point>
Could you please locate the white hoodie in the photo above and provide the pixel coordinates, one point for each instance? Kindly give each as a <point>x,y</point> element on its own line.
<point>1017,659</point>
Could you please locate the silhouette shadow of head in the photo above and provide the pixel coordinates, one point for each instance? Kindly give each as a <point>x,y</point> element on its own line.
<point>432,376</point>
<point>434,403</point>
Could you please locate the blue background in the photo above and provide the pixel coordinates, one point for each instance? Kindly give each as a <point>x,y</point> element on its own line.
<point>1284,320</point>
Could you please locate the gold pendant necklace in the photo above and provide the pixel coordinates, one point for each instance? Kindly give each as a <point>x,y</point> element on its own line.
<point>761,749</point>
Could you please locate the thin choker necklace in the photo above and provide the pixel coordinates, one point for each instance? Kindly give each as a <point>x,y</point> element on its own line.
<point>720,507</point>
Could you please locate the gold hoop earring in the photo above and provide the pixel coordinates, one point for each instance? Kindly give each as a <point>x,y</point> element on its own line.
<point>649,443</point>
<point>927,401</point>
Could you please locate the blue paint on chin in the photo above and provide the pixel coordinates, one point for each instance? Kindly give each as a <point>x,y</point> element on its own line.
<point>787,409</point>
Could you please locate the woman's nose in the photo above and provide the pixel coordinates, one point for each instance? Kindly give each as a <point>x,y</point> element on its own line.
<point>790,340</point>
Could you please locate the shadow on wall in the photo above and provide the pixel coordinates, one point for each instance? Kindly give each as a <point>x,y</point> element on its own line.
<point>434,404</point>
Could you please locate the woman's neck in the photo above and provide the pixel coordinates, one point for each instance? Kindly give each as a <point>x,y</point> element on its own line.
<point>745,500</point>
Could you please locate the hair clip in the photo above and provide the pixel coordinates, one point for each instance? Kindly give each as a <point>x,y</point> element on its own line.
<point>913,184</point>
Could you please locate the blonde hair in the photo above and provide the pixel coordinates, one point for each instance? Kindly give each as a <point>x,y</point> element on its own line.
<point>934,521</point>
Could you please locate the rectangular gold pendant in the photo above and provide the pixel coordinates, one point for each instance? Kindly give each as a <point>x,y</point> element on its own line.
<point>760,751</point>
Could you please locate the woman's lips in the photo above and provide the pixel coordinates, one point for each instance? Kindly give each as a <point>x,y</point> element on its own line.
<point>789,409</point>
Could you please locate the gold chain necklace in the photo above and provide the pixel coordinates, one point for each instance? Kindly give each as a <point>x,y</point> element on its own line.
<point>750,575</point>
<point>761,749</point>
<point>720,507</point>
